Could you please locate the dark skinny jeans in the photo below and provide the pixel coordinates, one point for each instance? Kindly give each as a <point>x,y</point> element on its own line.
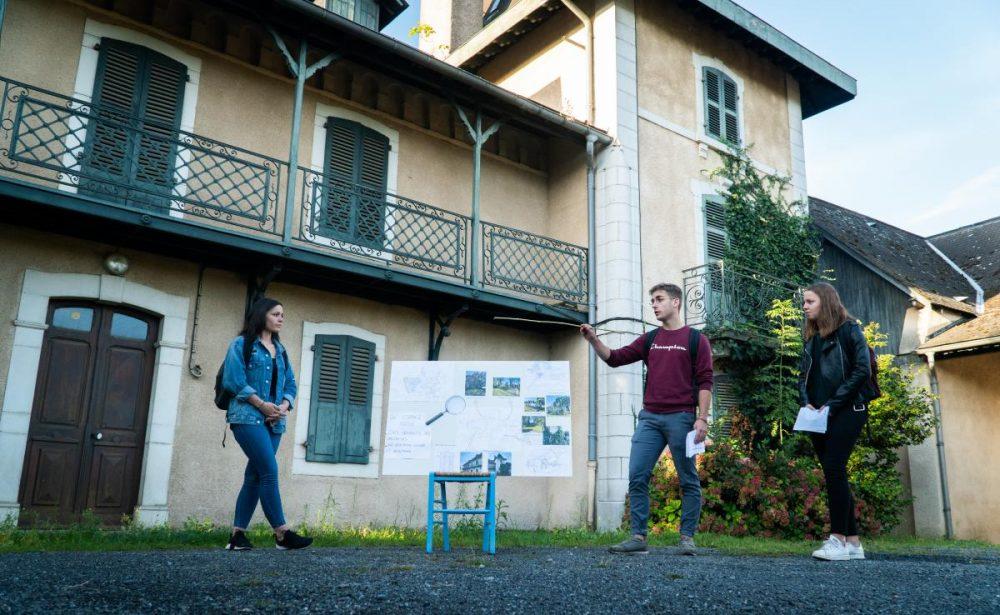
<point>833,449</point>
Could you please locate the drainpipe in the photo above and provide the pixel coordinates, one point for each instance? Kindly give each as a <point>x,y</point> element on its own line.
<point>949,530</point>
<point>588,29</point>
<point>591,300</point>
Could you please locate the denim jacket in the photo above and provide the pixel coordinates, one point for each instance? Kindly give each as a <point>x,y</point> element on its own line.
<point>243,381</point>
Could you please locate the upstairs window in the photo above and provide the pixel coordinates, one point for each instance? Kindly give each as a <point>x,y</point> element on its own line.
<point>356,174</point>
<point>494,9</point>
<point>722,115</point>
<point>364,12</point>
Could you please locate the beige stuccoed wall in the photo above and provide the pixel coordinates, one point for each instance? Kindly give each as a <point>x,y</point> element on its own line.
<point>970,421</point>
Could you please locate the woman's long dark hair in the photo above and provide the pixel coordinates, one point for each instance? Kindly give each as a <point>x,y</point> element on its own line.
<point>832,312</point>
<point>256,319</point>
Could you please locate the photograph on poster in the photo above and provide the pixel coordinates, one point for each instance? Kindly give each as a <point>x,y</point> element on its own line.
<point>506,387</point>
<point>475,384</point>
<point>557,405</point>
<point>532,424</point>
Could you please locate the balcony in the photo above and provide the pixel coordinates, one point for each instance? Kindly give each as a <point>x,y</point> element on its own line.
<point>726,298</point>
<point>101,162</point>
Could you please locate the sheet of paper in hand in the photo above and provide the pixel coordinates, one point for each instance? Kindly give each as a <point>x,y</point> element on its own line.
<point>811,420</point>
<point>693,449</point>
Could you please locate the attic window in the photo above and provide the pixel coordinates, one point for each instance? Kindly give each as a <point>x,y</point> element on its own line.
<point>495,8</point>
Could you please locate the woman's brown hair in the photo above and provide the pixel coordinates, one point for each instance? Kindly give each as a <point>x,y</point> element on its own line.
<point>832,312</point>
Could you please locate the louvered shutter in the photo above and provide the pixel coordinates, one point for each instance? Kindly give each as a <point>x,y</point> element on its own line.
<point>161,105</point>
<point>116,101</point>
<point>356,432</point>
<point>356,169</point>
<point>138,99</point>
<point>731,111</point>
<point>326,403</point>
<point>713,102</point>
<point>715,229</point>
<point>341,404</point>
<point>723,402</point>
<point>721,106</point>
<point>372,175</point>
<point>341,145</point>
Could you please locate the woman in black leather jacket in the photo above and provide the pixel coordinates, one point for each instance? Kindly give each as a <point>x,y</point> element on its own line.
<point>835,373</point>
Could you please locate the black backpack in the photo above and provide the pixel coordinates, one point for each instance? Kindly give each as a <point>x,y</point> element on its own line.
<point>694,339</point>
<point>222,396</point>
<point>870,390</point>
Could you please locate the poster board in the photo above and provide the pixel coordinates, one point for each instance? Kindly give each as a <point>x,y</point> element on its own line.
<point>511,417</point>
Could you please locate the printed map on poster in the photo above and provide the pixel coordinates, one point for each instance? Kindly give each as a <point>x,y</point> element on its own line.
<point>510,417</point>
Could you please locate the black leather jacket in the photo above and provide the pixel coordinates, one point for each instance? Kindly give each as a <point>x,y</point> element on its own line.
<point>845,361</point>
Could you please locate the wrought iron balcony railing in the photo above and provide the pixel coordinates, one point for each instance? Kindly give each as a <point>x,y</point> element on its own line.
<point>133,163</point>
<point>125,162</point>
<point>721,295</point>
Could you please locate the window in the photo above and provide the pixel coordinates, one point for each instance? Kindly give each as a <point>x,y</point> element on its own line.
<point>132,143</point>
<point>494,9</point>
<point>364,12</point>
<point>74,318</point>
<point>341,404</point>
<point>723,402</point>
<point>722,119</point>
<point>356,162</point>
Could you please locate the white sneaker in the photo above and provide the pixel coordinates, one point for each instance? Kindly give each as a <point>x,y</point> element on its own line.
<point>857,552</point>
<point>833,550</point>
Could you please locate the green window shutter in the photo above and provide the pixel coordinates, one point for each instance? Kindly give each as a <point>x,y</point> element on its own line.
<point>356,169</point>
<point>341,405</point>
<point>715,229</point>
<point>327,400</point>
<point>723,402</point>
<point>360,373</point>
<point>712,87</point>
<point>722,119</point>
<point>730,105</point>
<point>116,101</point>
<point>138,100</point>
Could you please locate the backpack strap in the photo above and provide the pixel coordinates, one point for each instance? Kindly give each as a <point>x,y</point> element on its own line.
<point>694,340</point>
<point>647,345</point>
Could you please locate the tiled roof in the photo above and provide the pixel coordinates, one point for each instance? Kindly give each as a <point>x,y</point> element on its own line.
<point>901,255</point>
<point>983,327</point>
<point>976,249</point>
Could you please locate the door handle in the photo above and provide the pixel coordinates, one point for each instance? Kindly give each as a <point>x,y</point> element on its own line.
<point>97,436</point>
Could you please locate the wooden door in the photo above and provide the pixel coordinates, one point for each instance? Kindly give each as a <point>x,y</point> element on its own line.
<point>88,419</point>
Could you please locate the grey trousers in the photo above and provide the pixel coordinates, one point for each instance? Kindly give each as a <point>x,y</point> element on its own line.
<point>652,434</point>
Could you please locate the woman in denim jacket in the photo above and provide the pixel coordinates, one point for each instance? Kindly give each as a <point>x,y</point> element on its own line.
<point>263,389</point>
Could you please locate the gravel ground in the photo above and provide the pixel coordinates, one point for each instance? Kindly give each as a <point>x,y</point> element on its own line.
<point>514,581</point>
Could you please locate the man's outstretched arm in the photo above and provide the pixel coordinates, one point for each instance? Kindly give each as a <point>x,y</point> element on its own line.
<point>600,347</point>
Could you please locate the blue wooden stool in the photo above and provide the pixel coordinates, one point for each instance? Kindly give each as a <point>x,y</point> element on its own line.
<point>489,513</point>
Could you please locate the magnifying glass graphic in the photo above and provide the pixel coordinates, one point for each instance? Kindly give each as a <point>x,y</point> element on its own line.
<point>454,405</point>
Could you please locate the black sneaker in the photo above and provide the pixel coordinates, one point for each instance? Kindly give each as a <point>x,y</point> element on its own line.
<point>291,540</point>
<point>239,542</point>
<point>635,545</point>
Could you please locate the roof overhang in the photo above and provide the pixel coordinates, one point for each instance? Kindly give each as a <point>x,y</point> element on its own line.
<point>822,85</point>
<point>330,32</point>
<point>390,10</point>
<point>968,346</point>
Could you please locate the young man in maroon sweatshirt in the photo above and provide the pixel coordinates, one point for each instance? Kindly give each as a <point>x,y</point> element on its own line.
<point>668,413</point>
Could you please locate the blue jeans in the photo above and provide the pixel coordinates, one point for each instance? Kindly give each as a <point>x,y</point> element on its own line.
<point>260,480</point>
<point>652,434</point>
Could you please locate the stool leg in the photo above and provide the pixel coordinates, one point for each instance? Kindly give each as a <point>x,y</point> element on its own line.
<point>430,512</point>
<point>444,517</point>
<point>493,512</point>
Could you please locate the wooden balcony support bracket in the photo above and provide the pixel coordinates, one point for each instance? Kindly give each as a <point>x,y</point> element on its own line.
<point>440,328</point>
<point>257,283</point>
<point>302,72</point>
<point>479,138</point>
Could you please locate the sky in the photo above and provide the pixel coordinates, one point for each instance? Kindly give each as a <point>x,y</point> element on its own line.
<point>919,147</point>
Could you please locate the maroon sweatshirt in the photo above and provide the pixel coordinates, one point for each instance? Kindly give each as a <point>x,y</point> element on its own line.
<point>668,376</point>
